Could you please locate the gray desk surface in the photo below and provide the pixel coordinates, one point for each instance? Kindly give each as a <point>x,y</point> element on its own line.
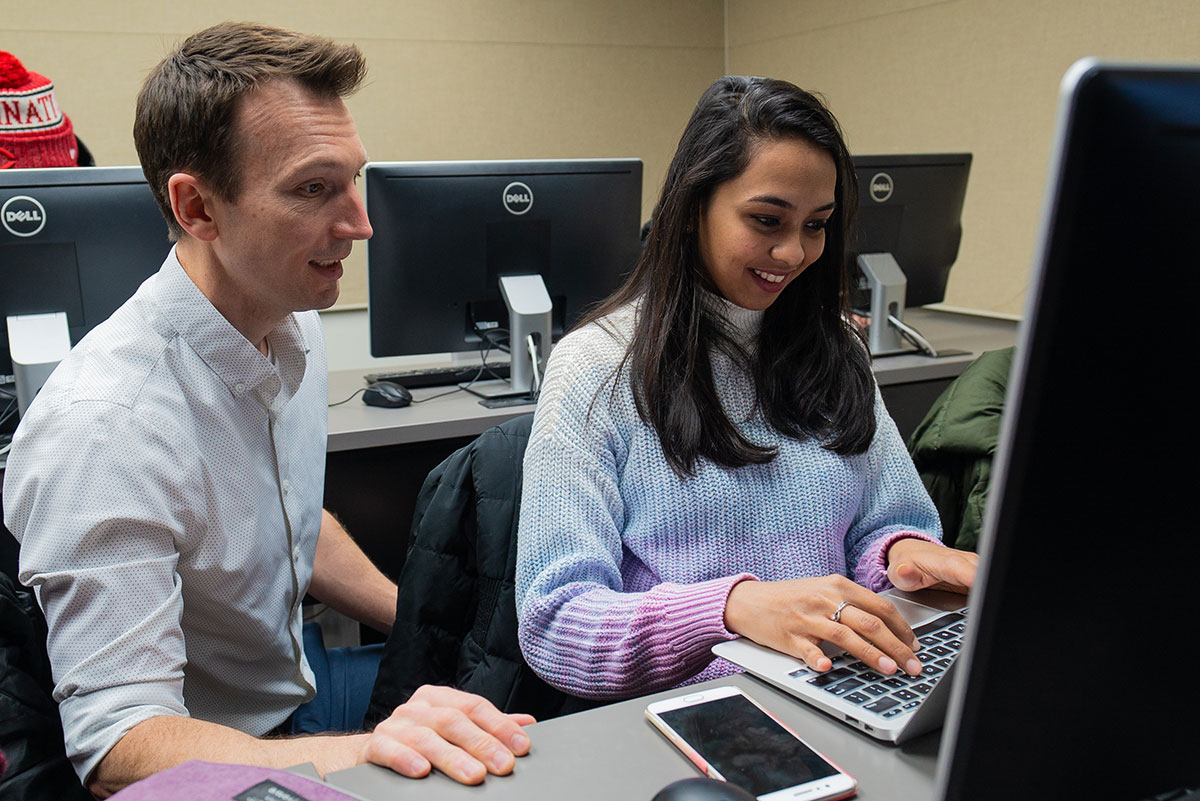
<point>614,753</point>
<point>354,425</point>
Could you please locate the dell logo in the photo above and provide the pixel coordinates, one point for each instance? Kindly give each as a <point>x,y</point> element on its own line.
<point>22,215</point>
<point>881,187</point>
<point>518,198</point>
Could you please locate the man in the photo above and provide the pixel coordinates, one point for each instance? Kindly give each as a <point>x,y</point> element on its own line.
<point>166,483</point>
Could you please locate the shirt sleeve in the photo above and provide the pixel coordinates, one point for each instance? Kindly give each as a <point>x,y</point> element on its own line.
<point>895,505</point>
<point>100,535</point>
<point>578,628</point>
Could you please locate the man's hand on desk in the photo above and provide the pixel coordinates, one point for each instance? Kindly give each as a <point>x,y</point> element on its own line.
<point>460,734</point>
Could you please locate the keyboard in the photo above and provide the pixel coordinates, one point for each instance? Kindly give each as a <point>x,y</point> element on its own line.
<point>899,694</point>
<point>440,376</point>
<point>892,708</point>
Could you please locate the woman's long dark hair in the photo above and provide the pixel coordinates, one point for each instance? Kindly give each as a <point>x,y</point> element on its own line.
<point>811,371</point>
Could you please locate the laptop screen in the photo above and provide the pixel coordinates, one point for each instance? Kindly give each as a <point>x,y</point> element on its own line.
<point>1076,677</point>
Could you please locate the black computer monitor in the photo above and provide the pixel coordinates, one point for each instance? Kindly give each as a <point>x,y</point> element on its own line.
<point>78,240</point>
<point>445,232</point>
<point>1076,677</point>
<point>909,209</point>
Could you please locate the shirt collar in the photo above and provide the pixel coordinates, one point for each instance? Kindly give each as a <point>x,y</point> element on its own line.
<point>186,311</point>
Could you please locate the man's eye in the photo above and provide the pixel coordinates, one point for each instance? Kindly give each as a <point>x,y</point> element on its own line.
<point>312,189</point>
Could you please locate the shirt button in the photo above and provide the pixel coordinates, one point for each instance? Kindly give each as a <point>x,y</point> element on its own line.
<point>296,553</point>
<point>239,388</point>
<point>287,486</point>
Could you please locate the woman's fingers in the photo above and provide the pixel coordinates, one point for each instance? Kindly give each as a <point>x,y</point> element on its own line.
<point>870,639</point>
<point>916,565</point>
<point>796,616</point>
<point>809,651</point>
<point>886,611</point>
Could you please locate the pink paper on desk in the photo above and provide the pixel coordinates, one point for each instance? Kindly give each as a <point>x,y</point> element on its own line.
<point>210,781</point>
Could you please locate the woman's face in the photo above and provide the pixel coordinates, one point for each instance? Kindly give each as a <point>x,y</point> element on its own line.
<point>762,228</point>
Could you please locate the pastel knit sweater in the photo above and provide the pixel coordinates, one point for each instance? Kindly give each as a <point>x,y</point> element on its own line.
<point>623,567</point>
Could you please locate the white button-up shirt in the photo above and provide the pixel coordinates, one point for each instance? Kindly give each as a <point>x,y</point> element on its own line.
<point>166,487</point>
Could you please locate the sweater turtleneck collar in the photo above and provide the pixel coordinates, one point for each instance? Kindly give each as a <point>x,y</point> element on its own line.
<point>744,324</point>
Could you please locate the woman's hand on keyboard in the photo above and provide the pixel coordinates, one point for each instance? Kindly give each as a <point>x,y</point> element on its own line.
<point>795,617</point>
<point>915,564</point>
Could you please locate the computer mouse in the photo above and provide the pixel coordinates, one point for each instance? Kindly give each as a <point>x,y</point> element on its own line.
<point>387,394</point>
<point>701,788</point>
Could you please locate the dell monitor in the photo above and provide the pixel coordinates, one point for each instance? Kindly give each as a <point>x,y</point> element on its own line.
<point>75,243</point>
<point>909,229</point>
<point>1074,680</point>
<point>459,248</point>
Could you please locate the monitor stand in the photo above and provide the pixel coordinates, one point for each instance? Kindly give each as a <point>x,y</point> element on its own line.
<point>888,334</point>
<point>529,326</point>
<point>36,343</point>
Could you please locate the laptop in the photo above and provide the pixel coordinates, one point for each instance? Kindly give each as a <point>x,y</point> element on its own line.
<point>891,708</point>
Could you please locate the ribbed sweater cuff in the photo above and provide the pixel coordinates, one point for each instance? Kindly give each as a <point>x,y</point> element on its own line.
<point>666,640</point>
<point>873,567</point>
<point>695,613</point>
<point>692,622</point>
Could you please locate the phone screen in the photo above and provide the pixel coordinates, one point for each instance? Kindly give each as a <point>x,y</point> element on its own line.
<point>746,745</point>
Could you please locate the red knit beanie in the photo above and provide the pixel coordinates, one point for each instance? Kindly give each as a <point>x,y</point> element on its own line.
<point>33,130</point>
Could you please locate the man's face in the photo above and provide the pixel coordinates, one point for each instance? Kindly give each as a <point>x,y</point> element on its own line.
<point>281,243</point>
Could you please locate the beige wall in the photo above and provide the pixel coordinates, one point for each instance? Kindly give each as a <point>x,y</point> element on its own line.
<point>449,79</point>
<point>959,75</point>
<point>465,79</point>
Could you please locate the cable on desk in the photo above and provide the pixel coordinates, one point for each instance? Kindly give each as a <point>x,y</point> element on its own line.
<point>5,413</point>
<point>356,393</point>
<point>361,390</point>
<point>487,342</point>
<point>536,387</point>
<point>486,337</point>
<point>913,336</point>
<point>10,409</point>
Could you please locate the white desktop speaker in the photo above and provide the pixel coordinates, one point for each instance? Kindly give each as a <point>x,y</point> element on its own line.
<point>37,343</point>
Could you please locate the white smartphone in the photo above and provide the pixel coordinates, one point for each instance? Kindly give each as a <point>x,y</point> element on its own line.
<point>730,737</point>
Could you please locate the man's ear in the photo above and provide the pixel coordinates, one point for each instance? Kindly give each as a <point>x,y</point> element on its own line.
<point>190,201</point>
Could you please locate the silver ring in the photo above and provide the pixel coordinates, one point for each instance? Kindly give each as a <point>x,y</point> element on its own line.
<point>837,613</point>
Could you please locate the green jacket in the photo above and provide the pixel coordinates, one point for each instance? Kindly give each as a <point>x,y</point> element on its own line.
<point>953,446</point>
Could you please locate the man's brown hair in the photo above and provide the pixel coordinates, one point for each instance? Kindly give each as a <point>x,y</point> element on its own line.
<point>187,110</point>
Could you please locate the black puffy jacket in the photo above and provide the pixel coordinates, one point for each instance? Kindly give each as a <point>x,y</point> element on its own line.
<point>31,733</point>
<point>456,617</point>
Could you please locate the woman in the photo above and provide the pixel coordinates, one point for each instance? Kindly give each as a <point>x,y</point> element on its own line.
<point>710,456</point>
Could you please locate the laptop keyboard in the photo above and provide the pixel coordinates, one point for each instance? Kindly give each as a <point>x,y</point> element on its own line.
<point>893,696</point>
